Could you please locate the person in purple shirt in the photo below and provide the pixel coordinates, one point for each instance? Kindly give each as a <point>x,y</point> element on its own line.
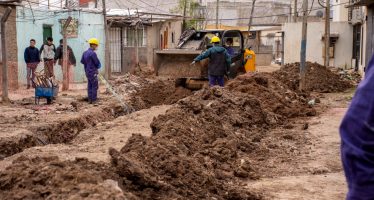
<point>357,140</point>
<point>229,48</point>
<point>91,66</point>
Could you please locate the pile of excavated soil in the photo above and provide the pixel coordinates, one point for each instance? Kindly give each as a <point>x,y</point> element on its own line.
<point>318,78</point>
<point>158,92</point>
<point>50,178</point>
<point>198,150</point>
<point>274,96</point>
<point>145,92</point>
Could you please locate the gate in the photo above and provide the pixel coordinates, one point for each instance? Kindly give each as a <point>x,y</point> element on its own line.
<point>115,40</point>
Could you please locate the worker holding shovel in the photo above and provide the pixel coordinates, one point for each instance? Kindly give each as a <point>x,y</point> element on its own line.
<point>219,63</point>
<point>91,66</point>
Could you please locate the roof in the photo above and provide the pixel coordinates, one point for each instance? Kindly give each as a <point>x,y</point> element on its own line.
<point>361,3</point>
<point>128,16</point>
<point>10,2</point>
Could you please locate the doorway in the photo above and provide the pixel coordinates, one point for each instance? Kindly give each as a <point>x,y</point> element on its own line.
<point>356,45</point>
<point>47,32</point>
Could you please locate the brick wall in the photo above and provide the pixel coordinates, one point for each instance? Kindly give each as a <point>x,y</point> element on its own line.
<point>11,41</point>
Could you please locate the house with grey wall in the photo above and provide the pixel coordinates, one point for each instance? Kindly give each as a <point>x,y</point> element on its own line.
<point>152,33</point>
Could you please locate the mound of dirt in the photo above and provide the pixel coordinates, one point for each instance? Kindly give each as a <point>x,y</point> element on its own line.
<point>145,92</point>
<point>318,78</point>
<point>50,178</point>
<point>199,148</point>
<point>274,96</point>
<point>158,92</point>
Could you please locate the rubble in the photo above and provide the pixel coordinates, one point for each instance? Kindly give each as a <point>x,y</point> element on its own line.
<point>274,95</point>
<point>318,78</point>
<point>49,178</point>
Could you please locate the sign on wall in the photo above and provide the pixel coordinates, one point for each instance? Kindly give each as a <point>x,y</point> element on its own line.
<point>72,30</point>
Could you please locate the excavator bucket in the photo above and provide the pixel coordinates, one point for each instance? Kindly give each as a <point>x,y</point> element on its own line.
<point>177,63</point>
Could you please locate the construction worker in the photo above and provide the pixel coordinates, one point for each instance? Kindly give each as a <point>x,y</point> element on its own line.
<point>91,66</point>
<point>47,52</point>
<point>228,46</point>
<point>357,137</point>
<point>249,60</point>
<point>32,59</point>
<point>219,63</point>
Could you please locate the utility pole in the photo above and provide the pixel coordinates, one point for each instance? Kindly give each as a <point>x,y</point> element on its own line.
<point>4,18</point>
<point>251,17</point>
<point>184,16</point>
<point>65,58</point>
<point>327,35</point>
<point>108,70</point>
<point>295,11</point>
<point>303,46</point>
<point>217,13</point>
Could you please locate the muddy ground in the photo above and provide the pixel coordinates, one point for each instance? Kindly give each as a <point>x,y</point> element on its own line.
<point>252,140</point>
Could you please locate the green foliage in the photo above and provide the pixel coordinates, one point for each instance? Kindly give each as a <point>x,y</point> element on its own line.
<point>192,8</point>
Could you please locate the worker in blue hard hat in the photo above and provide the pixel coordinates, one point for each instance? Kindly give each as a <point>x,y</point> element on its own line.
<point>219,62</point>
<point>91,66</point>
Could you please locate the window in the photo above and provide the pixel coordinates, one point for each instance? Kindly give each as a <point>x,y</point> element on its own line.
<point>130,37</point>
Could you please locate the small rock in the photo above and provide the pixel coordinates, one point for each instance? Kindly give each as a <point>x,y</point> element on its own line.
<point>312,102</point>
<point>318,100</point>
<point>305,126</point>
<point>102,138</point>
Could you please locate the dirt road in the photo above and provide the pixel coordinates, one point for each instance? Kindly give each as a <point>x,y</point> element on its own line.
<point>317,172</point>
<point>94,143</point>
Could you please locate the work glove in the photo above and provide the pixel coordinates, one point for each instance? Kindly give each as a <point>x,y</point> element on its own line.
<point>193,63</point>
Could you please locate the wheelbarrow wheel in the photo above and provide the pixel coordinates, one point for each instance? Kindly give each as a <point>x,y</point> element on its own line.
<point>49,100</point>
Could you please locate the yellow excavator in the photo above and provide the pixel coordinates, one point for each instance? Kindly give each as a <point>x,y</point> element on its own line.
<point>175,63</point>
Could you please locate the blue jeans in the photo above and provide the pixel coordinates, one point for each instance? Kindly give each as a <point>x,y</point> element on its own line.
<point>92,87</point>
<point>216,80</point>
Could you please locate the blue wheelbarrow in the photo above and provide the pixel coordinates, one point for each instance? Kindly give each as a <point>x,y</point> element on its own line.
<point>45,92</point>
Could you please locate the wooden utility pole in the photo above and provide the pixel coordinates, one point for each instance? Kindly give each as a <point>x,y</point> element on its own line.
<point>327,35</point>
<point>303,46</point>
<point>4,18</point>
<point>251,17</point>
<point>295,11</point>
<point>65,58</point>
<point>184,16</point>
<point>217,13</point>
<point>108,70</point>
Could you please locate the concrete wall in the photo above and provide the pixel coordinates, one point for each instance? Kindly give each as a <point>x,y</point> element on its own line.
<point>340,12</point>
<point>315,44</point>
<point>154,32</point>
<point>90,25</point>
<point>11,42</point>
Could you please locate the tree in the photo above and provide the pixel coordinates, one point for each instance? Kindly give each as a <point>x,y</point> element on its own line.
<point>192,11</point>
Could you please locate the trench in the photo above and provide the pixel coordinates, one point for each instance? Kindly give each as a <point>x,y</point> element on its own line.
<point>65,131</point>
<point>58,132</point>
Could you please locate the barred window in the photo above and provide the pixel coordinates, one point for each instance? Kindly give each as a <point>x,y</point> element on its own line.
<point>129,37</point>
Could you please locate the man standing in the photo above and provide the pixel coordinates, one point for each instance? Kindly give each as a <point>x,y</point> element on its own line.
<point>230,50</point>
<point>357,136</point>
<point>32,59</point>
<point>47,52</point>
<point>91,66</point>
<point>71,59</point>
<point>219,63</point>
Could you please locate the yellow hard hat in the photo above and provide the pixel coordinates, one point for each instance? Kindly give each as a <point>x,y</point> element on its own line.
<point>215,39</point>
<point>93,41</point>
